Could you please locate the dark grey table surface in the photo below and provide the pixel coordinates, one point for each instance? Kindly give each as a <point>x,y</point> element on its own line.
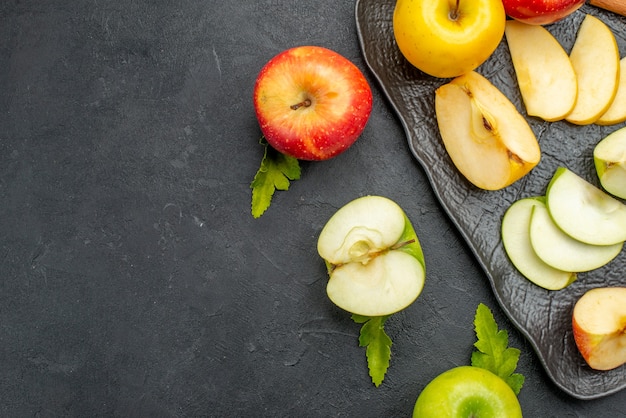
<point>135,282</point>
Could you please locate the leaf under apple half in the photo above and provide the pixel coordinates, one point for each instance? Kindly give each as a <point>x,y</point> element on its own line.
<point>544,71</point>
<point>373,257</point>
<point>599,327</point>
<point>517,244</point>
<point>583,211</point>
<point>609,157</point>
<point>487,139</point>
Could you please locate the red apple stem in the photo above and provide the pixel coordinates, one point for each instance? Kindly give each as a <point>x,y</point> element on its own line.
<point>304,103</point>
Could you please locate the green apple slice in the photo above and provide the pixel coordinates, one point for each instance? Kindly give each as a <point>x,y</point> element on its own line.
<point>609,157</point>
<point>583,211</point>
<point>374,259</point>
<point>563,252</point>
<point>516,241</point>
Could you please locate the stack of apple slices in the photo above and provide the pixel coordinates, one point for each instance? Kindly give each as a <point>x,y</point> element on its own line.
<point>587,86</point>
<point>575,227</point>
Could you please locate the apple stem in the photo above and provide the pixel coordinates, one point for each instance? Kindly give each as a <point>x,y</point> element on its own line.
<point>454,13</point>
<point>305,103</point>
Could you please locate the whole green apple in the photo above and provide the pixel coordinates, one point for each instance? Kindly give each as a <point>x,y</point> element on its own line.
<point>467,392</point>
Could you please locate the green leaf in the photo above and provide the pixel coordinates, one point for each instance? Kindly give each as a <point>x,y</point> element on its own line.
<point>493,352</point>
<point>377,343</point>
<point>275,172</point>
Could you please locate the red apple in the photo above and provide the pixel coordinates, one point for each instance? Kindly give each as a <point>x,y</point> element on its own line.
<point>540,12</point>
<point>599,326</point>
<point>311,103</point>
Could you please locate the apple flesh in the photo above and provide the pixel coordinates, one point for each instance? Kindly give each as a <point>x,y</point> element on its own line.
<point>563,252</point>
<point>446,38</point>
<point>540,12</point>
<point>487,139</point>
<point>311,103</point>
<point>373,257</point>
<point>616,113</point>
<point>516,240</point>
<point>599,327</point>
<point>467,391</point>
<point>609,157</point>
<point>596,61</point>
<point>545,74</point>
<point>583,211</point>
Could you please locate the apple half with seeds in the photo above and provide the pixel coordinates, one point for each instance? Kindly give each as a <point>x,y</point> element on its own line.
<point>517,244</point>
<point>487,139</point>
<point>599,327</point>
<point>583,211</point>
<point>609,157</point>
<point>373,257</point>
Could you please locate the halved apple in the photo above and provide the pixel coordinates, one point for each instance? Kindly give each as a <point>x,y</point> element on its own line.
<point>516,241</point>
<point>583,211</point>
<point>595,57</point>
<point>486,137</point>
<point>616,113</point>
<point>373,257</point>
<point>599,327</point>
<point>545,74</point>
<point>609,157</point>
<point>563,252</point>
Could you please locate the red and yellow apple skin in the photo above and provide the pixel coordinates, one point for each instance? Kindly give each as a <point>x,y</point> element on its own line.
<point>599,327</point>
<point>540,12</point>
<point>311,103</point>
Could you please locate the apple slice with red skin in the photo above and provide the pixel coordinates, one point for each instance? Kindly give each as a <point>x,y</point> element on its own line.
<point>311,103</point>
<point>540,12</point>
<point>599,327</point>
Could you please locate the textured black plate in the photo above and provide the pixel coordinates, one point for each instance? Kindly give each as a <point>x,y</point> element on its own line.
<point>544,317</point>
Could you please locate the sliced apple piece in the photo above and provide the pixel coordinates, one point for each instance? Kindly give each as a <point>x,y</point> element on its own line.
<point>616,113</point>
<point>609,157</point>
<point>583,211</point>
<point>544,72</point>
<point>487,139</point>
<point>599,327</point>
<point>563,252</point>
<point>516,241</point>
<point>595,57</point>
<point>374,259</point>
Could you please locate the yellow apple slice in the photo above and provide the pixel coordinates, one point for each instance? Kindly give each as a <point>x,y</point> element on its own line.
<point>595,57</point>
<point>616,113</point>
<point>545,74</point>
<point>609,157</point>
<point>599,327</point>
<point>487,139</point>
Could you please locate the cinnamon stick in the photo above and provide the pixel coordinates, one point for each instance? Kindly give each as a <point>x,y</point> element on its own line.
<point>616,6</point>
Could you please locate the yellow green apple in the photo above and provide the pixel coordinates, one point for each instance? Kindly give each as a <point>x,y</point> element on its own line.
<point>447,38</point>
